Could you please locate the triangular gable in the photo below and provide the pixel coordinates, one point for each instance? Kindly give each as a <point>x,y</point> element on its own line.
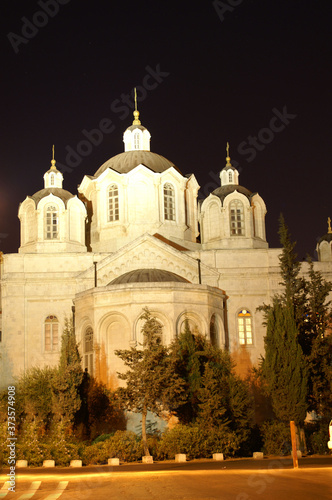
<point>150,252</point>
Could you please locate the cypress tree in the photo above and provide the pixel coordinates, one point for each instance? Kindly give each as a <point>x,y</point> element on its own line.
<point>284,368</point>
<point>69,376</point>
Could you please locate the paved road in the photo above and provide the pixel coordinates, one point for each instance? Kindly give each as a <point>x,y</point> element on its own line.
<point>197,480</point>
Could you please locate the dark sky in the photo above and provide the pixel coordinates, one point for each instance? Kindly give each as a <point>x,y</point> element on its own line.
<point>250,71</point>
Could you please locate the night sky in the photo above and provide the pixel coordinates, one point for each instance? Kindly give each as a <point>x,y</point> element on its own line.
<point>256,73</point>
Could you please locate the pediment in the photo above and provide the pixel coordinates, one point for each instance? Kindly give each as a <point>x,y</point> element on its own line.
<point>150,252</point>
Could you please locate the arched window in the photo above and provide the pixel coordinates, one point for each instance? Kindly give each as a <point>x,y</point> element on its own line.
<point>137,140</point>
<point>51,333</point>
<point>52,179</point>
<point>113,203</point>
<point>245,327</point>
<point>169,202</point>
<point>51,223</point>
<point>88,350</point>
<point>214,331</point>
<point>236,218</point>
<point>230,176</point>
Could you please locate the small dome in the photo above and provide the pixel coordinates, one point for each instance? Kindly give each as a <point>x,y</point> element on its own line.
<point>127,161</point>
<point>223,191</point>
<point>148,276</point>
<point>59,192</point>
<point>327,237</point>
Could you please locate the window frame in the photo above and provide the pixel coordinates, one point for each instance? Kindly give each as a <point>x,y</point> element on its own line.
<point>236,226</point>
<point>169,202</point>
<point>245,327</point>
<point>51,222</point>
<point>113,203</point>
<point>52,321</point>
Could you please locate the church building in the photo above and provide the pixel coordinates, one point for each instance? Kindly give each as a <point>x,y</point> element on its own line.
<point>134,236</point>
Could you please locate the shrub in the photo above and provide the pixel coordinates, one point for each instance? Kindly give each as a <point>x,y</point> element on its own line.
<point>30,446</point>
<point>276,438</point>
<point>197,442</point>
<point>96,453</point>
<point>125,445</point>
<point>102,437</point>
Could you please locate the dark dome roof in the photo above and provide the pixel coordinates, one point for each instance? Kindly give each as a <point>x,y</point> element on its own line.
<point>127,161</point>
<point>59,192</point>
<point>327,237</point>
<point>134,127</point>
<point>223,191</point>
<point>148,276</point>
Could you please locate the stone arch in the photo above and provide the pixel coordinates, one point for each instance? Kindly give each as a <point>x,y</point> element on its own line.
<point>161,318</point>
<point>217,331</point>
<point>196,323</point>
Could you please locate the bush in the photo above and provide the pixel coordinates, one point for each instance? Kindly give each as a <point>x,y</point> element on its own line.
<point>96,453</point>
<point>197,442</point>
<point>30,444</point>
<point>102,437</point>
<point>276,438</point>
<point>125,445</point>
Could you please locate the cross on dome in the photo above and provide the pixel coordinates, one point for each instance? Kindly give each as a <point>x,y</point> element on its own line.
<point>136,137</point>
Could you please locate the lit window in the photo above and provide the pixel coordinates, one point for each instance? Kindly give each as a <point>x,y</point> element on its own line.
<point>236,218</point>
<point>169,202</point>
<point>113,203</point>
<point>245,327</point>
<point>52,179</point>
<point>88,350</point>
<point>51,223</point>
<point>51,333</point>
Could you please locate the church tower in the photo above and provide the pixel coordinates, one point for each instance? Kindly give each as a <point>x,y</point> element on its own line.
<point>53,219</point>
<point>232,216</point>
<point>137,192</point>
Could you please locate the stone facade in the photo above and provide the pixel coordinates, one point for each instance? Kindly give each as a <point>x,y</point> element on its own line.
<point>136,236</point>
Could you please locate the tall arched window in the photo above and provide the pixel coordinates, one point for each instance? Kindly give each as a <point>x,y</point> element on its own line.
<point>88,350</point>
<point>52,178</point>
<point>236,218</point>
<point>169,202</point>
<point>51,333</point>
<point>51,223</point>
<point>245,327</point>
<point>137,140</point>
<point>230,176</point>
<point>214,331</point>
<point>113,203</point>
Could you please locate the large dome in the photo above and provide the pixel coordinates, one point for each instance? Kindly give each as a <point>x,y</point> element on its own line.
<point>127,161</point>
<point>148,276</point>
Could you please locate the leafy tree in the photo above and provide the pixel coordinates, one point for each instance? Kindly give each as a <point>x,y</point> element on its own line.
<point>151,383</point>
<point>35,395</point>
<point>284,368</point>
